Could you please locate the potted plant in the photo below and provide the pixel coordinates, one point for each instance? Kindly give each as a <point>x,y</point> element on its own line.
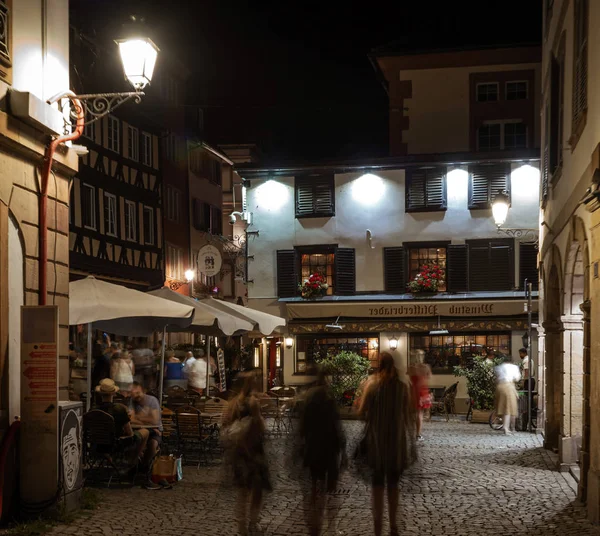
<point>481,385</point>
<point>314,287</point>
<point>428,279</point>
<point>347,371</point>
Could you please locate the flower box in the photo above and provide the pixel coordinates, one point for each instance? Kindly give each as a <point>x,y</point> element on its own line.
<point>428,280</point>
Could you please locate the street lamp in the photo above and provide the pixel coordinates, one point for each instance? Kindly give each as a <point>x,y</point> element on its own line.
<point>138,54</point>
<point>189,277</point>
<point>500,207</point>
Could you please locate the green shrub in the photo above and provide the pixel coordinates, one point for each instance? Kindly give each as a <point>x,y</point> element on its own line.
<point>347,371</point>
<point>481,381</point>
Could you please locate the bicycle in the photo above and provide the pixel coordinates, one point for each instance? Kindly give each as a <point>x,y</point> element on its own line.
<point>496,422</point>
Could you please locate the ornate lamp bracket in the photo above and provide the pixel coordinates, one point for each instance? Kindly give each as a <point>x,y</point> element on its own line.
<point>97,105</point>
<point>525,236</point>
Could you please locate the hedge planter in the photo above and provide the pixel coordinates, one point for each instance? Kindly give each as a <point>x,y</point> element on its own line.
<point>481,416</point>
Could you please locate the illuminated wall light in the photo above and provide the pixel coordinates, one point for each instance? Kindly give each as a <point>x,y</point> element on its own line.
<point>393,343</point>
<point>256,357</point>
<point>278,357</point>
<point>457,184</point>
<point>368,189</point>
<point>525,182</point>
<point>289,342</point>
<point>271,195</point>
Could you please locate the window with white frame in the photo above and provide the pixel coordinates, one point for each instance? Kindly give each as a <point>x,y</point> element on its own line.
<point>130,221</point>
<point>114,134</point>
<point>498,135</point>
<point>149,226</point>
<point>146,149</point>
<point>515,136</point>
<point>173,204</point>
<point>88,205</point>
<point>133,143</point>
<point>487,92</point>
<point>516,90</point>
<point>489,137</point>
<point>174,268</point>
<point>110,214</point>
<point>90,131</point>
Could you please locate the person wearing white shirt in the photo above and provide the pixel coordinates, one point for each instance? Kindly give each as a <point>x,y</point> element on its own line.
<point>506,393</point>
<point>195,370</point>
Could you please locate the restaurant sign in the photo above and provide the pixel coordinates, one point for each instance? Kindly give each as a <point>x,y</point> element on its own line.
<point>447,309</point>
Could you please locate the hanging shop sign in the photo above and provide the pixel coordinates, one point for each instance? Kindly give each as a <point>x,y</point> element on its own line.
<point>446,309</point>
<point>209,261</point>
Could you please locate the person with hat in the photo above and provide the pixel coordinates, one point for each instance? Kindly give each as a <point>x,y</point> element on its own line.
<point>107,389</point>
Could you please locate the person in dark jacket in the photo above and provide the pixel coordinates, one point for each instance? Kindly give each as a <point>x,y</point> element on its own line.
<point>323,446</point>
<point>101,364</point>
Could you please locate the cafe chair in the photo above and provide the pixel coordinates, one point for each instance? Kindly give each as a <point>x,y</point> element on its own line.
<point>192,438</point>
<point>105,454</point>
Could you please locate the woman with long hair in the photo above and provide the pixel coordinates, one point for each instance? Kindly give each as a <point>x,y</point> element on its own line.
<point>244,430</point>
<point>388,444</point>
<point>420,373</point>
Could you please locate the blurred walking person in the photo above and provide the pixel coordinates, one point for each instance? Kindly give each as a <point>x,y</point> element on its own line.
<point>388,444</point>
<point>243,435</point>
<point>420,374</point>
<point>506,393</point>
<point>324,445</point>
<point>122,370</point>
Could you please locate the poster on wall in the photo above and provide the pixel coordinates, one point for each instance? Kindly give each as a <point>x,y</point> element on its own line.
<point>209,261</point>
<point>39,402</point>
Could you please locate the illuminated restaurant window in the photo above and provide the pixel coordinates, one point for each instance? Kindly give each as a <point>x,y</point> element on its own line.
<point>423,255</point>
<point>318,263</point>
<point>444,352</point>
<point>311,348</point>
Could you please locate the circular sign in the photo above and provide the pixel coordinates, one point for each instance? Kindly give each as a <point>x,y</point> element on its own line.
<point>209,261</point>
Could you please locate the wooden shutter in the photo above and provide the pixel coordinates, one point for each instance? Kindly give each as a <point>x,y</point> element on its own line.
<point>457,268</point>
<point>197,213</point>
<point>485,181</point>
<point>345,272</point>
<point>287,280</point>
<point>528,265</point>
<point>315,196</point>
<point>580,61</point>
<point>546,155</point>
<point>553,117</point>
<point>394,265</point>
<point>491,265</point>
<point>426,189</point>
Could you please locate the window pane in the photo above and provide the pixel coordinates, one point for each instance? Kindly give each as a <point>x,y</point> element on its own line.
<point>320,263</point>
<point>515,135</point>
<point>487,92</point>
<point>489,137</point>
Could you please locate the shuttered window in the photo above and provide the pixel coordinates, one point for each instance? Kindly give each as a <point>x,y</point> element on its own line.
<point>491,264</point>
<point>201,215</point>
<point>345,272</point>
<point>457,268</point>
<point>394,265</point>
<point>528,270</point>
<point>287,283</point>
<point>315,196</point>
<point>426,189</point>
<point>485,182</point>
<point>580,62</point>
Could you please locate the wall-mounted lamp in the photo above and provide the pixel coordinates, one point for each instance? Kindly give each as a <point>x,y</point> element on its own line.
<point>289,342</point>
<point>500,206</point>
<point>370,239</point>
<point>394,343</point>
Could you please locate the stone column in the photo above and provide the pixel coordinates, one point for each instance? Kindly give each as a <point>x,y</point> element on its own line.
<point>584,456</point>
<point>553,359</point>
<point>572,380</point>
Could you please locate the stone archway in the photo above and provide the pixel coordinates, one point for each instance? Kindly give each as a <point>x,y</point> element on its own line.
<point>553,358</point>
<point>576,320</point>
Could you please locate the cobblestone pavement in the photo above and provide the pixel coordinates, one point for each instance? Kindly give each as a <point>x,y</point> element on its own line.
<point>469,481</point>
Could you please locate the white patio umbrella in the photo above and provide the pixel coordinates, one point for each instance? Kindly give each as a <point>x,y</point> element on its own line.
<point>263,322</point>
<point>121,310</point>
<point>208,319</point>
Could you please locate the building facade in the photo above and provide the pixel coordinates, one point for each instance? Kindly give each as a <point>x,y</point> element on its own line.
<point>29,38</point>
<point>569,245</point>
<point>370,226</point>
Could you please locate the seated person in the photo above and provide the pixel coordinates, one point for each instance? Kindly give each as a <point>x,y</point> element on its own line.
<point>107,390</point>
<point>145,413</point>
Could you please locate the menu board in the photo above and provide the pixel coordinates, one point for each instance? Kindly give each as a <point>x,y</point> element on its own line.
<point>39,402</point>
<point>221,365</point>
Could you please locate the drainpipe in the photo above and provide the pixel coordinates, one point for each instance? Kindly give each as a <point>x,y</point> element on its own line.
<point>44,179</point>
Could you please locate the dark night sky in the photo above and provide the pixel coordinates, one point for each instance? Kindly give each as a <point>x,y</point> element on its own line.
<point>294,77</point>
